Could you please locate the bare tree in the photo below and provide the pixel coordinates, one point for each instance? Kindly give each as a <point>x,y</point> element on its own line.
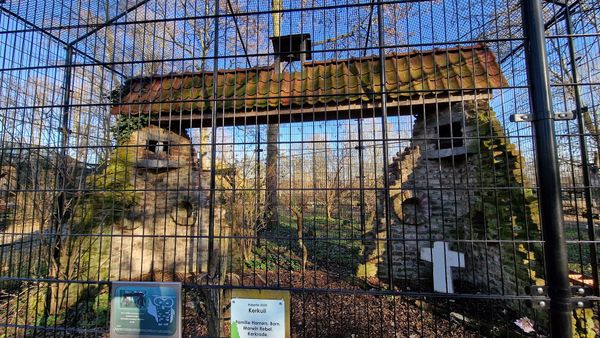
<point>272,171</point>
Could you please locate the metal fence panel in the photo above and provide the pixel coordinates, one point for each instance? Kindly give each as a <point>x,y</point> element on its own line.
<point>398,166</point>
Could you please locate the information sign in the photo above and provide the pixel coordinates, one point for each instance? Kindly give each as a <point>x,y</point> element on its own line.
<point>145,309</point>
<point>259,313</point>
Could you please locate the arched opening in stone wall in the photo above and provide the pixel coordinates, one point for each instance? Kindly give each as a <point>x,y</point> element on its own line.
<point>412,211</point>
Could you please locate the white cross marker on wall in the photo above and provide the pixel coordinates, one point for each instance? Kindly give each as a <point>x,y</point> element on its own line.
<point>443,261</point>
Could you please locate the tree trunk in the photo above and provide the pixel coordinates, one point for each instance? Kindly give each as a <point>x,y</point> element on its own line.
<point>214,311</point>
<point>217,271</point>
<point>272,172</point>
<point>593,130</point>
<point>329,211</point>
<point>271,178</point>
<point>57,291</point>
<point>299,214</point>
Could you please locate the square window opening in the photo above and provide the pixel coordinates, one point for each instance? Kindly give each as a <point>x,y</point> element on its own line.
<point>450,135</point>
<point>157,146</point>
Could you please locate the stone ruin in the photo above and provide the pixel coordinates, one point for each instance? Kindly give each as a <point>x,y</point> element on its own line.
<point>167,229</point>
<point>8,184</point>
<point>460,181</point>
<point>160,196</point>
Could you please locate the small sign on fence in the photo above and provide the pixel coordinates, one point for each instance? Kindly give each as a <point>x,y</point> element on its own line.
<point>260,313</point>
<point>145,309</point>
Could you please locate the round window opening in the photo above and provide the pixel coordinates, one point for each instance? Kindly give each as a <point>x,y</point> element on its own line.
<point>412,211</point>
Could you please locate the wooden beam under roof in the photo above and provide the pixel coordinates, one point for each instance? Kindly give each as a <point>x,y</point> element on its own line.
<point>180,120</point>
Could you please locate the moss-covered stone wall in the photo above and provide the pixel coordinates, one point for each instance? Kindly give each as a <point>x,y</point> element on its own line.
<point>152,200</point>
<point>460,181</point>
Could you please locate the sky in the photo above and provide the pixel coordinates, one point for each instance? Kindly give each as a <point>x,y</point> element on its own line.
<point>174,42</point>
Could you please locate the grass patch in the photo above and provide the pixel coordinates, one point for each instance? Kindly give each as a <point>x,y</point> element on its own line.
<point>333,245</point>
<point>273,257</point>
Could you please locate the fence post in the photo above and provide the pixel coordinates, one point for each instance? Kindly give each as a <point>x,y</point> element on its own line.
<point>579,111</point>
<point>384,136</point>
<point>60,216</point>
<point>212,292</point>
<point>361,181</point>
<point>557,273</point>
<point>213,143</point>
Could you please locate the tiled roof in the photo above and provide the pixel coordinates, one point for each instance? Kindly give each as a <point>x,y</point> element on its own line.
<point>335,82</point>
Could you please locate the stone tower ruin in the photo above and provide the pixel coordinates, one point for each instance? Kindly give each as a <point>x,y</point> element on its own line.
<point>460,181</point>
<point>153,199</point>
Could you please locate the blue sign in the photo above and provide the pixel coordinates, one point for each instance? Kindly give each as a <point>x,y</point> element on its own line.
<point>145,309</point>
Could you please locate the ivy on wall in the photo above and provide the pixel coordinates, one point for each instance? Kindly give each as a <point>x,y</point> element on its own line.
<point>505,208</point>
<point>126,125</point>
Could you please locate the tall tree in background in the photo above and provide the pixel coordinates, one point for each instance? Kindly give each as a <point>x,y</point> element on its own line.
<point>271,178</point>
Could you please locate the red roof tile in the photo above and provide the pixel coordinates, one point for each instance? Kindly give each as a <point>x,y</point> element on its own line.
<point>334,82</point>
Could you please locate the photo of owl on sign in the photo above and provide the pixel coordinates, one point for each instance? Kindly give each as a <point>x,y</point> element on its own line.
<point>133,299</point>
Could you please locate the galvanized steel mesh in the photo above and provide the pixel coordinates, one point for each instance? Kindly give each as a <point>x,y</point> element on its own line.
<point>251,144</point>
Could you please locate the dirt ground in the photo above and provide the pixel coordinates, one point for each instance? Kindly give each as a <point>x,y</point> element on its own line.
<point>335,311</point>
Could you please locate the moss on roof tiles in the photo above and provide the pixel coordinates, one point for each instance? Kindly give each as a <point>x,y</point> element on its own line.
<point>436,72</point>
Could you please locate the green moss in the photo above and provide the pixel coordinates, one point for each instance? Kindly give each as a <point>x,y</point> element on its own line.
<point>504,209</point>
<point>371,251</point>
<point>583,323</point>
<point>111,192</point>
<point>367,269</point>
<point>126,125</point>
<point>92,309</point>
<point>507,210</point>
<point>26,309</point>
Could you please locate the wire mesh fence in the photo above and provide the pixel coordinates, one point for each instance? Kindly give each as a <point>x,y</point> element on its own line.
<point>384,161</point>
